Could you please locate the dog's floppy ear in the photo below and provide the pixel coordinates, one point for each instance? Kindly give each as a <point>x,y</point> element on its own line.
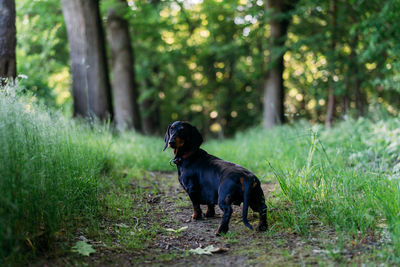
<point>196,137</point>
<point>166,138</point>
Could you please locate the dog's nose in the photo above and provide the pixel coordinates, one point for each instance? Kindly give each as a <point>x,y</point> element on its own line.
<point>172,143</point>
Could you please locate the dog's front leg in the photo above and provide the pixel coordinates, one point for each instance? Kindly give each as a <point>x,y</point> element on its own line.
<point>189,185</point>
<point>193,195</point>
<point>197,213</point>
<point>210,210</point>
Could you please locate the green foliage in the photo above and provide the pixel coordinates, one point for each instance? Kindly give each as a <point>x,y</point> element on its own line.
<point>200,60</point>
<point>49,173</point>
<point>42,52</point>
<point>206,62</point>
<point>362,66</point>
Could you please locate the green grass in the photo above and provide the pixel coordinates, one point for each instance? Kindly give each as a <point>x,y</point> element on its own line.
<point>57,174</point>
<point>49,176</point>
<point>140,152</point>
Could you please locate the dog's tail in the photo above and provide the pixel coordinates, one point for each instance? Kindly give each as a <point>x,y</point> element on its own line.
<point>246,198</point>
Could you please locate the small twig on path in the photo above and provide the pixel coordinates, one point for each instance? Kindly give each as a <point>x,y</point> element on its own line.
<point>137,223</point>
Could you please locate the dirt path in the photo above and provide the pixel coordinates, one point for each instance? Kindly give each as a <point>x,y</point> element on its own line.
<point>242,246</point>
<point>199,233</point>
<point>169,208</point>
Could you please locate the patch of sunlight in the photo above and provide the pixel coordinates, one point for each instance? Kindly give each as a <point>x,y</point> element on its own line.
<point>196,108</point>
<point>370,66</point>
<point>168,37</point>
<point>213,114</point>
<point>60,81</point>
<point>181,79</point>
<point>215,127</point>
<point>192,66</point>
<point>293,92</point>
<point>197,76</point>
<point>219,65</point>
<point>299,97</point>
<point>204,33</point>
<point>311,104</point>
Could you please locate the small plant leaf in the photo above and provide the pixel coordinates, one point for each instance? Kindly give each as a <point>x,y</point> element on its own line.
<point>122,225</point>
<point>209,250</point>
<point>83,248</point>
<point>178,230</point>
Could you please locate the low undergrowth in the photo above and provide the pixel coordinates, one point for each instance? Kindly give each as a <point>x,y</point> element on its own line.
<point>49,176</point>
<point>349,181</point>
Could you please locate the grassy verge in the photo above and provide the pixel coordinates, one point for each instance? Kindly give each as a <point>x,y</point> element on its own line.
<point>349,181</point>
<point>49,176</point>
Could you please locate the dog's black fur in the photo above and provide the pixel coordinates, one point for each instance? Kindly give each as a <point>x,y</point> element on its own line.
<point>209,180</point>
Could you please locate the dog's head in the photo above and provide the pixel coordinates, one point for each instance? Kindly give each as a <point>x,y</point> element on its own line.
<point>182,137</point>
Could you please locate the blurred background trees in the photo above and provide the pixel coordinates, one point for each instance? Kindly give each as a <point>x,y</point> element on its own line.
<point>214,62</point>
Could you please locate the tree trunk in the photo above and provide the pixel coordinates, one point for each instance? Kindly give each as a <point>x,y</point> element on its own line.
<point>359,97</point>
<point>90,83</point>
<point>150,107</point>
<point>356,70</point>
<point>274,96</point>
<point>125,89</point>
<point>330,113</point>
<point>151,120</point>
<point>273,89</point>
<point>8,40</point>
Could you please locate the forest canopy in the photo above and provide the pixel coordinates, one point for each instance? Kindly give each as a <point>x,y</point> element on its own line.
<point>209,61</point>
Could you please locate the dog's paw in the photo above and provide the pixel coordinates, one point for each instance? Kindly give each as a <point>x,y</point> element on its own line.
<point>209,214</point>
<point>221,230</point>
<point>210,211</point>
<point>197,216</point>
<point>262,227</point>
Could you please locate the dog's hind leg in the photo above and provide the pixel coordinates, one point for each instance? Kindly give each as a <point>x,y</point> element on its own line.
<point>225,206</point>
<point>257,204</point>
<point>262,225</point>
<point>246,187</point>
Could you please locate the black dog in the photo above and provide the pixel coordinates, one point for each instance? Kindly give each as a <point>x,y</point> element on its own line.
<point>209,180</point>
